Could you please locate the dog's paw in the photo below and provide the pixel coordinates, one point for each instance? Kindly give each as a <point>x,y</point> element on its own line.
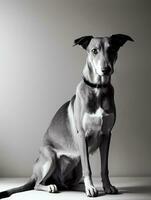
<point>91,191</point>
<point>110,189</point>
<point>53,188</point>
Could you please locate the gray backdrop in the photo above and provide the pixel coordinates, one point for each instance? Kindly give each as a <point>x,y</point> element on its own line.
<point>39,71</point>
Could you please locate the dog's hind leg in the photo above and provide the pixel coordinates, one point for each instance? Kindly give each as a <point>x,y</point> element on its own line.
<point>43,169</point>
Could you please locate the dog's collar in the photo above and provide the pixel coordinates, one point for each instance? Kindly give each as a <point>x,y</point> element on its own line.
<point>94,85</point>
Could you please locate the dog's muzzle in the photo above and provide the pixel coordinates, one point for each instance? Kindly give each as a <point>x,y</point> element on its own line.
<point>106,71</point>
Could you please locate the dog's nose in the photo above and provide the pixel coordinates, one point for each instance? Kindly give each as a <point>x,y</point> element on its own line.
<point>106,70</point>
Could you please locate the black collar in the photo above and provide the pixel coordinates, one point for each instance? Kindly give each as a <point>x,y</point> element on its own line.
<point>94,85</point>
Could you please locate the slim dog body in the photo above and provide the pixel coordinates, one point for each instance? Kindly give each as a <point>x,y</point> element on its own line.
<point>81,125</point>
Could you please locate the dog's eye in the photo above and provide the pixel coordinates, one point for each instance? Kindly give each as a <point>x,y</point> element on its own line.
<point>95,51</point>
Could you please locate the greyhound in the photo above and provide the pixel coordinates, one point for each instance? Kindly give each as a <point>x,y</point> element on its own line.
<point>81,126</point>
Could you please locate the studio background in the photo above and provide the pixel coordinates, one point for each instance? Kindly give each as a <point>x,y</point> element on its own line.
<point>39,71</point>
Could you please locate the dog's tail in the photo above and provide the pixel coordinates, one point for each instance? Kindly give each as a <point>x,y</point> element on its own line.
<point>28,186</point>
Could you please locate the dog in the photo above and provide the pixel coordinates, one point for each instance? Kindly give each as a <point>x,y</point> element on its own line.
<point>81,126</point>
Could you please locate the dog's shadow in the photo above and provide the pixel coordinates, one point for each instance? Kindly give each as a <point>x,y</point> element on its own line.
<point>122,190</point>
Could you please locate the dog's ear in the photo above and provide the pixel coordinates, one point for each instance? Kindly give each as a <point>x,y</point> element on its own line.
<point>83,41</point>
<point>119,40</point>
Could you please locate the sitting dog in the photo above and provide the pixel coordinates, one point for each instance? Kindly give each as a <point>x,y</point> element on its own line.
<point>80,126</point>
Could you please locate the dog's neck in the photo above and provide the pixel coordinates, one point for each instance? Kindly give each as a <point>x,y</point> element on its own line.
<point>90,75</point>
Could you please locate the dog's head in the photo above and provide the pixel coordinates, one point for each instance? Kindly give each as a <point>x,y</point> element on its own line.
<point>102,52</point>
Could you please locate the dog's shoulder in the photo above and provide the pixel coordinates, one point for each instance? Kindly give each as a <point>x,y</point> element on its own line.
<point>82,90</point>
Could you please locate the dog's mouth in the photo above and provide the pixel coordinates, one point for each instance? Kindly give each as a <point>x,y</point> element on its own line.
<point>105,73</point>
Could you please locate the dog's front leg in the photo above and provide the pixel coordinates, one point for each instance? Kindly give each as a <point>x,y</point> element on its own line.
<point>83,149</point>
<point>104,152</point>
<point>86,170</point>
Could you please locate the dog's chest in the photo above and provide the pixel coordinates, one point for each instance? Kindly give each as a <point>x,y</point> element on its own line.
<point>98,121</point>
<point>99,115</point>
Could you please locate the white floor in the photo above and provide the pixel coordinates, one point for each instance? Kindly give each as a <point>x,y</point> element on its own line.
<point>130,189</point>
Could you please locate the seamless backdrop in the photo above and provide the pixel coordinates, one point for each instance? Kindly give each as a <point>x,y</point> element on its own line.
<point>39,71</point>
